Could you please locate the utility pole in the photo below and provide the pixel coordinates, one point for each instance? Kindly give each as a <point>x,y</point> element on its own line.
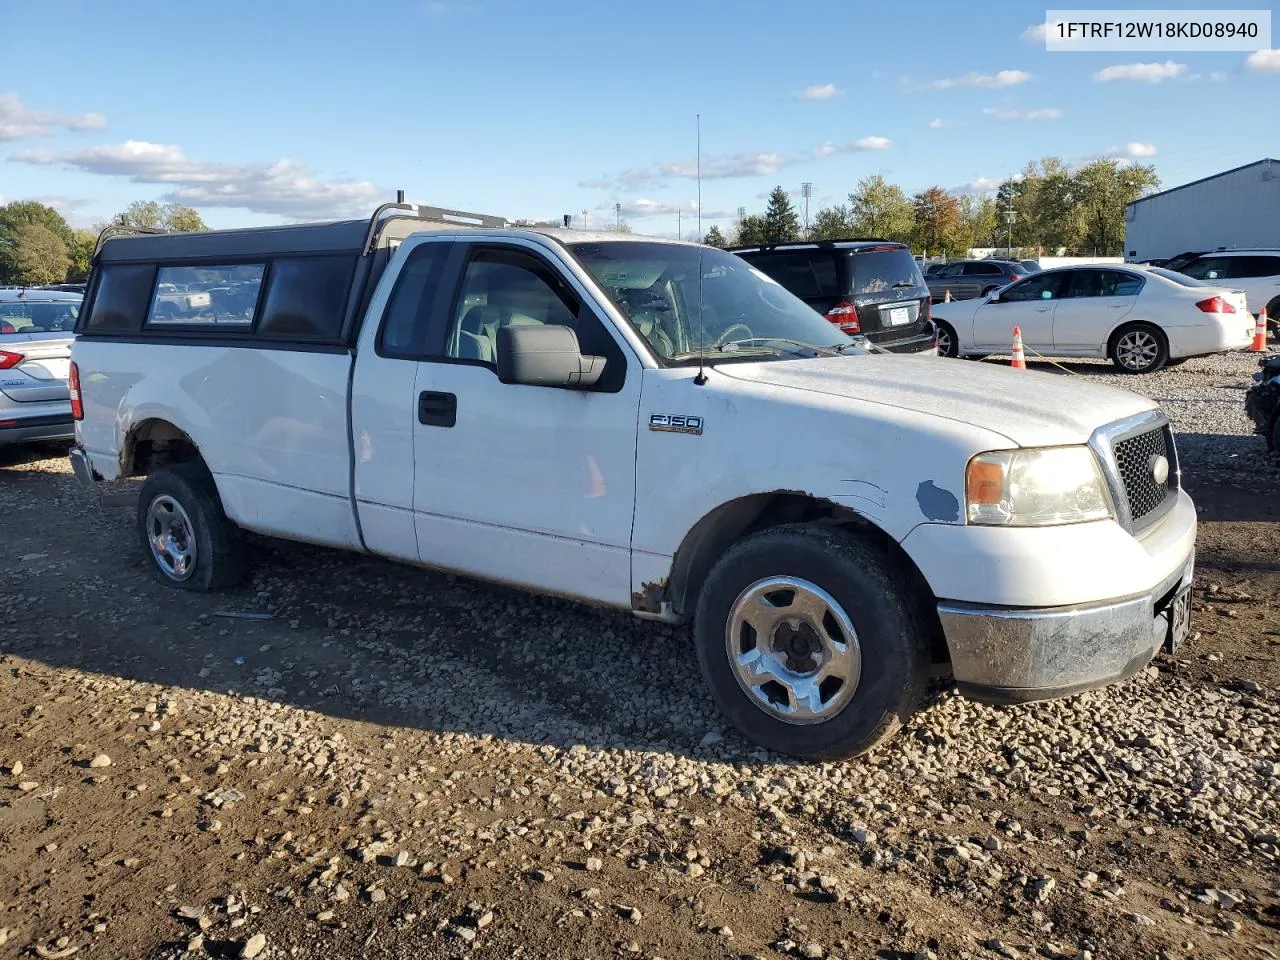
<point>617,215</point>
<point>806,191</point>
<point>1009,217</point>
<point>679,226</point>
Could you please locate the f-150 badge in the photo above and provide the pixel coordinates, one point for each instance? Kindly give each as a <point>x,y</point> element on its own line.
<point>673,423</point>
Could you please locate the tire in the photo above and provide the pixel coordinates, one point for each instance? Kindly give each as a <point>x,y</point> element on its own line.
<point>1138,348</point>
<point>882,672</point>
<point>947,335</point>
<point>1273,318</point>
<point>180,515</point>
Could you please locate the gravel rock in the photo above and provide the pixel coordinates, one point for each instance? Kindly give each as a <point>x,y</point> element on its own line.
<point>99,762</point>
<point>253,946</point>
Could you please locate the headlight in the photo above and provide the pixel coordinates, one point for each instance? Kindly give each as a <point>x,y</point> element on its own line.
<point>1033,488</point>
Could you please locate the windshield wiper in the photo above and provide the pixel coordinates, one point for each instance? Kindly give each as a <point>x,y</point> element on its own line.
<point>732,345</point>
<point>903,283</point>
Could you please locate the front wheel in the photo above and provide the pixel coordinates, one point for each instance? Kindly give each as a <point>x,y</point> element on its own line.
<point>810,642</point>
<point>187,538</point>
<point>948,344</point>
<point>1139,348</point>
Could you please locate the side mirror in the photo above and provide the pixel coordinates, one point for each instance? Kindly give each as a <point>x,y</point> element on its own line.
<point>545,356</point>
<point>994,298</point>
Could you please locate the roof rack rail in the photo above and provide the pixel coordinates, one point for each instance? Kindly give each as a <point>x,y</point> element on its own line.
<point>821,244</point>
<point>399,210</point>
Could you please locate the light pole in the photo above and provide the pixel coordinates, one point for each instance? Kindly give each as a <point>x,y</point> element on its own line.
<point>806,191</point>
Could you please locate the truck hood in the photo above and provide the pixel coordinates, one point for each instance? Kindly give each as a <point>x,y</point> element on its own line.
<point>1031,409</point>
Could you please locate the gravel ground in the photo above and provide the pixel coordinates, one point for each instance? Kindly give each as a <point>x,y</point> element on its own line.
<point>391,763</point>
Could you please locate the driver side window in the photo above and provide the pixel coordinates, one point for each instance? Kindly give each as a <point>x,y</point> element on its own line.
<point>1040,287</point>
<point>508,287</point>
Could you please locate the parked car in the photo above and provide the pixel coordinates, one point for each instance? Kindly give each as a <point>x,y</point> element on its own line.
<point>1262,401</point>
<point>1178,261</point>
<point>1256,272</point>
<point>176,303</point>
<point>653,426</point>
<point>967,279</point>
<point>1142,318</point>
<point>1030,266</point>
<point>871,288</point>
<point>36,330</point>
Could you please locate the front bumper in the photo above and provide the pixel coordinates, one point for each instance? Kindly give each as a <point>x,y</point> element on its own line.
<point>1016,655</point>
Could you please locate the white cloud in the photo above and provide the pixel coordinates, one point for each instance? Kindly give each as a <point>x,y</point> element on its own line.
<point>1142,72</point>
<point>1036,33</point>
<point>823,91</point>
<point>1132,150</point>
<point>1264,61</point>
<point>980,185</point>
<point>727,166</point>
<point>595,183</point>
<point>937,123</point>
<point>20,122</point>
<point>1041,113</point>
<point>1003,78</point>
<point>862,145</point>
<point>288,188</point>
<point>659,208</point>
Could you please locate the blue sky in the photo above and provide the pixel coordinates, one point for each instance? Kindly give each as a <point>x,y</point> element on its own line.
<point>281,110</point>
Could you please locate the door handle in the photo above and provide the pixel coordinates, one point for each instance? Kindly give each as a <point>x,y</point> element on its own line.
<point>1042,309</point>
<point>437,409</point>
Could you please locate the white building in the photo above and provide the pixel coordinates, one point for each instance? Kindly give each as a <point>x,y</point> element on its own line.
<point>1236,208</point>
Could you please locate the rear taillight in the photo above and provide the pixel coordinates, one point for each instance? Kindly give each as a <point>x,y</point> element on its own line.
<point>9,360</point>
<point>1016,276</point>
<point>928,308</point>
<point>845,316</point>
<point>73,387</point>
<point>1216,305</point>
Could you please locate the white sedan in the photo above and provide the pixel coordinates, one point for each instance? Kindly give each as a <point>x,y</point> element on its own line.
<point>1141,318</point>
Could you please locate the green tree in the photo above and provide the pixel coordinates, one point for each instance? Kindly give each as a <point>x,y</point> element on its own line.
<point>832,223</point>
<point>977,220</point>
<point>1105,188</point>
<point>41,256</point>
<point>80,252</point>
<point>153,215</point>
<point>21,213</point>
<point>715,238</point>
<point>751,231</point>
<point>881,209</point>
<point>781,223</point>
<point>937,221</point>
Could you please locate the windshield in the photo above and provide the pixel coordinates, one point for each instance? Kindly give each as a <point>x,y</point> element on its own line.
<point>1179,278</point>
<point>38,316</point>
<point>736,311</point>
<point>877,271</point>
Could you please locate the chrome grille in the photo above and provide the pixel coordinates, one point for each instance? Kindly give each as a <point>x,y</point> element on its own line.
<point>1134,456</point>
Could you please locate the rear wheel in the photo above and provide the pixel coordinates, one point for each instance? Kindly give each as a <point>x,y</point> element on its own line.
<point>811,642</point>
<point>948,345</point>
<point>1139,348</point>
<point>186,536</point>
<point>1273,318</point>
<point>989,291</point>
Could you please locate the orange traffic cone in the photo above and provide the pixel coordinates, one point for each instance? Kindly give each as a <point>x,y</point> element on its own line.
<point>947,298</point>
<point>1019,358</point>
<point>1260,333</point>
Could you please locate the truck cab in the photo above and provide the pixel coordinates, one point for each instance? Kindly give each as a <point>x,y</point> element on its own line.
<point>649,425</point>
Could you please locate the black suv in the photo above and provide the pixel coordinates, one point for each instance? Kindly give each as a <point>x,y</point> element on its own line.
<point>868,288</point>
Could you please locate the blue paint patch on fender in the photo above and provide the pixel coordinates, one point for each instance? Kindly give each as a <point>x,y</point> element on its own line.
<point>936,503</point>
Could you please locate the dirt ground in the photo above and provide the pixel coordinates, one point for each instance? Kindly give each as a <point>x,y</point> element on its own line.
<point>401,764</point>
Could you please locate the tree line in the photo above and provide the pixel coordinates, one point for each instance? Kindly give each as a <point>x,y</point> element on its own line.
<point>1054,206</point>
<point>38,246</point>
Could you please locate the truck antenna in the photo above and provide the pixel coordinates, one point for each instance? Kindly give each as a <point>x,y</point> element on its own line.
<point>701,378</point>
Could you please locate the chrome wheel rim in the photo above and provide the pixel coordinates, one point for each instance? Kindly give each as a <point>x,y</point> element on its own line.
<point>1137,350</point>
<point>793,650</point>
<point>944,342</point>
<point>172,538</point>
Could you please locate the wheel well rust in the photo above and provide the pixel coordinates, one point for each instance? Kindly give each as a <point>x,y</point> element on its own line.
<point>153,444</point>
<point>730,522</point>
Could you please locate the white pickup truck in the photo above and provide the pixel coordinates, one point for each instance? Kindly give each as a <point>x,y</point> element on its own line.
<point>653,426</point>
